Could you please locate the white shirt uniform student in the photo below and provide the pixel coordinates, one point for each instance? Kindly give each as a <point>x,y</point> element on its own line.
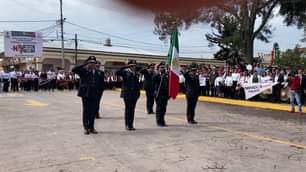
<point>51,75</point>
<point>13,75</point>
<point>244,80</point>
<point>34,76</point>
<point>235,77</point>
<point>219,81</point>
<point>181,79</point>
<point>228,82</point>
<point>202,80</point>
<point>28,76</point>
<point>60,76</point>
<point>76,76</point>
<point>6,75</point>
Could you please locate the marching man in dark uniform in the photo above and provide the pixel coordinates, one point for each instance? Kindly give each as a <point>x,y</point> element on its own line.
<point>192,91</point>
<point>148,74</point>
<point>90,89</point>
<point>130,92</point>
<point>161,84</point>
<point>100,95</point>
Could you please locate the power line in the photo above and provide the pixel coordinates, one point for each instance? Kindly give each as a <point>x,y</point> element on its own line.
<point>99,40</point>
<point>26,21</point>
<point>111,35</point>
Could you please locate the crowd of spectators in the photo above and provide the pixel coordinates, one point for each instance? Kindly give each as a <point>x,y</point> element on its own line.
<point>226,81</point>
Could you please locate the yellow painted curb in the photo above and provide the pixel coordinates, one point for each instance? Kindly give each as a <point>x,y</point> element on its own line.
<point>243,103</point>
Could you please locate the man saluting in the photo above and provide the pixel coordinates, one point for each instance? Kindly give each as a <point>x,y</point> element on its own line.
<point>192,91</point>
<point>90,90</point>
<point>148,85</point>
<point>161,84</point>
<point>130,92</point>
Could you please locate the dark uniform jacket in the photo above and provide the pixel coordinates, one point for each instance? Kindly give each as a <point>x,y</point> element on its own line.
<point>303,82</point>
<point>280,79</point>
<point>161,84</point>
<point>130,85</point>
<point>92,83</point>
<point>148,80</point>
<point>192,84</point>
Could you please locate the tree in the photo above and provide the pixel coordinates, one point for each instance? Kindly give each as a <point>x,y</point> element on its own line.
<point>293,59</point>
<point>294,12</point>
<point>228,39</point>
<point>246,12</point>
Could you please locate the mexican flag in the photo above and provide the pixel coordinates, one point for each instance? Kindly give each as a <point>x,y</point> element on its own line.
<point>173,62</point>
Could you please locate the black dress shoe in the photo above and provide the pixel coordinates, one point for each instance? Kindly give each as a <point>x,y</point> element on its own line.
<point>130,128</point>
<point>86,132</point>
<point>93,131</point>
<point>192,122</point>
<point>98,117</point>
<point>162,125</point>
<point>150,113</point>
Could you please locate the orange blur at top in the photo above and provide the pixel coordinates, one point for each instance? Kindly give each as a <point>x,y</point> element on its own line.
<point>172,5</point>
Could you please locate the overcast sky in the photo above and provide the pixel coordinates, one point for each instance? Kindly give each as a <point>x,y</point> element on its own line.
<point>135,29</point>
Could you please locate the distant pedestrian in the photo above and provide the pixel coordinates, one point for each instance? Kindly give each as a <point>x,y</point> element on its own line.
<point>6,81</point>
<point>294,83</point>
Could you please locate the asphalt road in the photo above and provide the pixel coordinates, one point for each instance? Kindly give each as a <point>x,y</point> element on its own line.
<point>42,132</point>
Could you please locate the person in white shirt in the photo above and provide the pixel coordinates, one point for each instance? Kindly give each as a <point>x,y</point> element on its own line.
<point>76,81</point>
<point>219,83</point>
<point>229,87</point>
<point>60,76</point>
<point>235,78</point>
<point>6,81</point>
<point>51,75</point>
<point>1,81</point>
<point>14,81</point>
<point>27,81</point>
<point>60,80</point>
<point>244,79</point>
<point>204,82</point>
<point>35,79</point>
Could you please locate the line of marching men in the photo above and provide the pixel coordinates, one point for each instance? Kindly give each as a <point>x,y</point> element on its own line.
<point>156,85</point>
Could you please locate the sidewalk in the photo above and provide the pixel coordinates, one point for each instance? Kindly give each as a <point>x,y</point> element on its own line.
<point>243,103</point>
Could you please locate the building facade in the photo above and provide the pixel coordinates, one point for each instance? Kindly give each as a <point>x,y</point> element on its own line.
<point>52,59</point>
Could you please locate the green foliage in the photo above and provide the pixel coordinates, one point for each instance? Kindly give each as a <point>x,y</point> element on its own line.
<point>251,17</point>
<point>228,39</point>
<point>294,12</point>
<point>293,59</point>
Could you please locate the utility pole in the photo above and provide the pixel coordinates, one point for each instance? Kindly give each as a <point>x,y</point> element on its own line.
<point>76,48</point>
<point>62,35</point>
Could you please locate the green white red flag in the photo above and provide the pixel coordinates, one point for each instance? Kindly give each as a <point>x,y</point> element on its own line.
<point>173,62</point>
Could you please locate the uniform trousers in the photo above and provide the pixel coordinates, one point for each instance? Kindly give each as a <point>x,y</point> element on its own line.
<point>150,100</point>
<point>161,108</point>
<point>14,84</point>
<point>90,106</point>
<point>6,84</point>
<point>129,113</point>
<point>191,105</point>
